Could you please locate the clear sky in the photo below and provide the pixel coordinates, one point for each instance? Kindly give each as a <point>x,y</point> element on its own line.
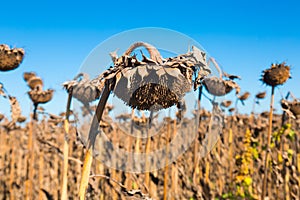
<point>244,36</point>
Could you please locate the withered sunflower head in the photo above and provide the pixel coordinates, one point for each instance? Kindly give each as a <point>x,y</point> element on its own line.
<point>1,117</point>
<point>226,104</point>
<point>10,59</point>
<point>21,119</point>
<point>28,75</point>
<point>154,83</point>
<point>219,87</point>
<point>244,96</point>
<point>38,97</point>
<point>83,89</point>
<point>278,74</point>
<point>35,83</point>
<point>231,110</point>
<point>261,95</point>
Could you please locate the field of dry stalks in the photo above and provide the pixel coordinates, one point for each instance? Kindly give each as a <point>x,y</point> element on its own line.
<point>45,157</point>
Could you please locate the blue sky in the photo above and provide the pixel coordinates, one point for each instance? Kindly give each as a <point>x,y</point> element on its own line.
<point>245,37</point>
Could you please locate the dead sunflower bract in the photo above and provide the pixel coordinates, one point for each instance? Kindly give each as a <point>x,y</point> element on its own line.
<point>278,74</point>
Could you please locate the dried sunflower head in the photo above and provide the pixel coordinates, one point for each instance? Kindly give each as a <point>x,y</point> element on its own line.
<point>38,97</point>
<point>10,59</point>
<point>219,87</point>
<point>1,117</point>
<point>261,95</point>
<point>35,83</point>
<point>21,119</point>
<point>28,75</point>
<point>244,96</point>
<point>154,83</point>
<point>278,74</point>
<point>231,110</point>
<point>226,104</point>
<point>83,89</point>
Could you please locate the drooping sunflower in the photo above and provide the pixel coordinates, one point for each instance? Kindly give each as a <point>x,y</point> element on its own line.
<point>154,83</point>
<point>36,93</point>
<point>218,86</point>
<point>10,59</point>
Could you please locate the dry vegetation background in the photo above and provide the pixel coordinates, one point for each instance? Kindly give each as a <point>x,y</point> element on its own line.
<point>32,153</point>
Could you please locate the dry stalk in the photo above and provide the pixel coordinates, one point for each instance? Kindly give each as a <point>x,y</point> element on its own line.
<point>41,174</point>
<point>30,163</point>
<point>12,168</point>
<point>196,143</point>
<point>91,141</point>
<point>174,171</point>
<point>266,166</point>
<point>166,169</point>
<point>64,187</point>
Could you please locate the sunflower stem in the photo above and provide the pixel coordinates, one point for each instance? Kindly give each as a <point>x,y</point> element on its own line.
<point>166,172</point>
<point>64,193</point>
<point>92,138</point>
<point>265,180</point>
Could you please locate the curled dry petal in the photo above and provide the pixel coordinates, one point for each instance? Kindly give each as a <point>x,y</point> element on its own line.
<point>231,76</point>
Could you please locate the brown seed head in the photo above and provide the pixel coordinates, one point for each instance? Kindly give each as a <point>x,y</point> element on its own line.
<point>10,59</point>
<point>278,74</point>
<point>38,97</point>
<point>220,87</point>
<point>244,96</point>
<point>153,83</point>
<point>260,95</point>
